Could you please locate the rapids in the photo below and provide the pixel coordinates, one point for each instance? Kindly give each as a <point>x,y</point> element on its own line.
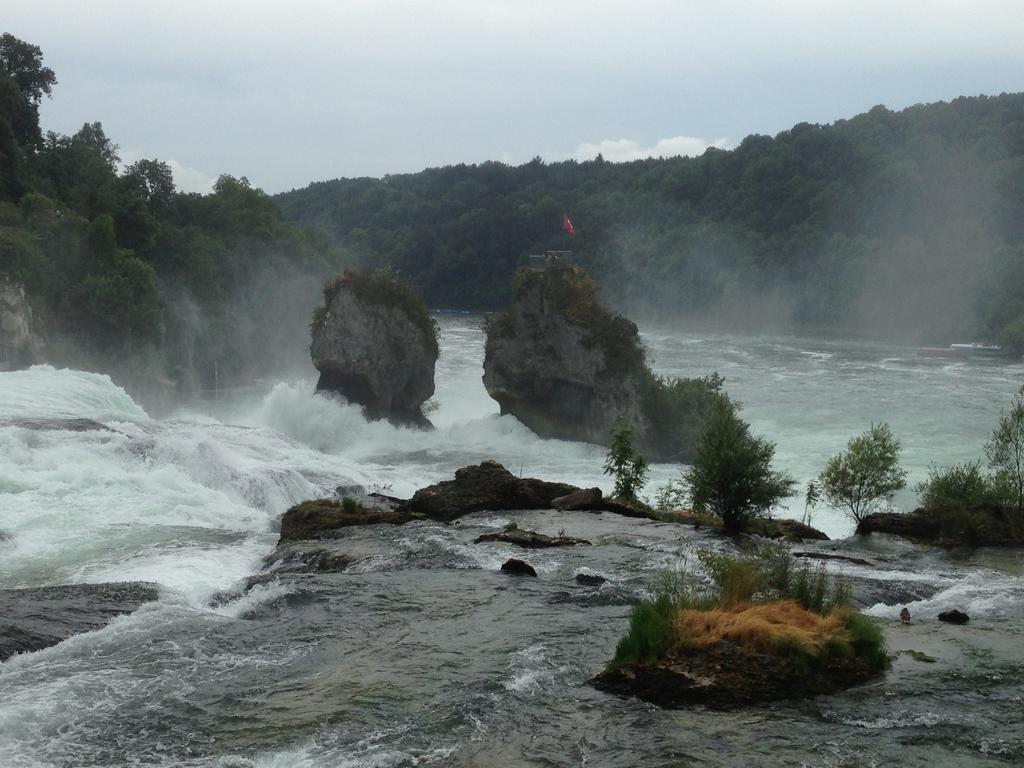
<point>421,653</point>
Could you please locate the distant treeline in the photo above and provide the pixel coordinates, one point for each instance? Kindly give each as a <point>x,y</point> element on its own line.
<point>901,224</point>
<point>123,269</point>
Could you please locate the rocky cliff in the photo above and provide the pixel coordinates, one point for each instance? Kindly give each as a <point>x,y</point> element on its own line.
<point>375,344</point>
<point>17,343</point>
<point>568,368</point>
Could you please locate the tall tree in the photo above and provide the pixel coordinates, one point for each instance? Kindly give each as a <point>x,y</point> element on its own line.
<point>21,64</point>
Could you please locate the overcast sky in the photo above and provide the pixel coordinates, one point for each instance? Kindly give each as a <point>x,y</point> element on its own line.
<point>291,92</point>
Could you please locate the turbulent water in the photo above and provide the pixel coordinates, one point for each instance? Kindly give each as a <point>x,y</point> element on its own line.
<point>421,653</point>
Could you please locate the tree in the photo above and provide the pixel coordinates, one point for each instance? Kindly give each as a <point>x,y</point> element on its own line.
<point>731,475</point>
<point>21,66</point>
<point>1005,452</point>
<point>627,466</point>
<point>865,474</point>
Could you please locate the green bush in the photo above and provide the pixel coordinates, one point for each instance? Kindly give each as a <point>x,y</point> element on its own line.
<point>731,475</point>
<point>863,477</point>
<point>867,640</point>
<point>959,486</point>
<point>574,295</point>
<point>650,622</point>
<point>623,463</point>
<point>684,405</point>
<point>1005,453</point>
<point>499,325</point>
<point>768,572</point>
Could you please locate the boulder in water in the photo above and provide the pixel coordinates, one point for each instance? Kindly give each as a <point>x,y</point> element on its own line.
<point>324,518</point>
<point>954,616</point>
<point>590,579</point>
<point>375,343</point>
<point>517,567</point>
<point>486,486</point>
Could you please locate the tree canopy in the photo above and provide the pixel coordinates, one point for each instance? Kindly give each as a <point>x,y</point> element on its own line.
<point>890,223</point>
<point>120,264</point>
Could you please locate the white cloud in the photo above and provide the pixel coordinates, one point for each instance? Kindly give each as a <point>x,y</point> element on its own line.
<point>190,179</point>
<point>186,179</point>
<point>624,150</point>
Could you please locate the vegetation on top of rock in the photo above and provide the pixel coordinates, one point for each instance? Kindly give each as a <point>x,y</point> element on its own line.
<point>590,373</point>
<point>958,486</point>
<point>382,287</point>
<point>731,476</point>
<point>626,465</point>
<point>864,476</point>
<point>763,629</point>
<point>570,291</point>
<point>990,525</point>
<point>322,518</point>
<point>964,506</point>
<point>1005,454</point>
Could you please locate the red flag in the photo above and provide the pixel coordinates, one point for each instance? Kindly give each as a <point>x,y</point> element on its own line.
<point>567,225</point>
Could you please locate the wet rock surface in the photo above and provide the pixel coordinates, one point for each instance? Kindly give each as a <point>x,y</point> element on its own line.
<point>35,618</point>
<point>530,539</point>
<point>324,518</point>
<point>987,526</point>
<point>18,343</point>
<point>374,344</point>
<point>516,567</point>
<point>486,486</point>
<point>725,678</point>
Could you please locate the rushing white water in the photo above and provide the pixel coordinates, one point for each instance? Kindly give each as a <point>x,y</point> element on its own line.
<point>191,502</point>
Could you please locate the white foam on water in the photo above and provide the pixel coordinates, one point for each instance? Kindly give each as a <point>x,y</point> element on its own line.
<point>898,720</point>
<point>190,505</point>
<point>980,594</point>
<point>34,393</point>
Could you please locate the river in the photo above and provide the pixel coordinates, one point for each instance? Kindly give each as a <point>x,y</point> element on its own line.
<point>421,653</point>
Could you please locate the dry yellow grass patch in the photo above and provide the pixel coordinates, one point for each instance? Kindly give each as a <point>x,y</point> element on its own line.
<point>759,625</point>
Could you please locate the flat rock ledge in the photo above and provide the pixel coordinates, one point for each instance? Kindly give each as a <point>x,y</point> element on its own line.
<point>482,487</point>
<point>725,678</point>
<point>530,539</point>
<point>39,617</point>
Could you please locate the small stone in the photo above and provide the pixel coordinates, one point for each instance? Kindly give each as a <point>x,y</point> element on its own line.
<point>954,617</point>
<point>904,616</point>
<point>590,579</point>
<point>518,567</point>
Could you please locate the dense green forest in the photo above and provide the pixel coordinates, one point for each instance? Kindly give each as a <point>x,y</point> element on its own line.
<point>126,273</point>
<point>905,225</point>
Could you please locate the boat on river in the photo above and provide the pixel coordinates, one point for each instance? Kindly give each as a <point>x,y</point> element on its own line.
<point>961,351</point>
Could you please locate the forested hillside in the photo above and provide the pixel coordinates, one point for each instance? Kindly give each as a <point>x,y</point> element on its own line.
<point>906,225</point>
<point>124,272</point>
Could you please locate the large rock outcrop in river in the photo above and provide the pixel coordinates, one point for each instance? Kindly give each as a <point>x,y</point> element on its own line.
<point>375,344</point>
<point>17,342</point>
<point>568,368</point>
<point>983,526</point>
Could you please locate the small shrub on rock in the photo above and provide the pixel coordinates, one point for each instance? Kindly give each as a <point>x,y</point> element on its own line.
<point>960,486</point>
<point>731,475</point>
